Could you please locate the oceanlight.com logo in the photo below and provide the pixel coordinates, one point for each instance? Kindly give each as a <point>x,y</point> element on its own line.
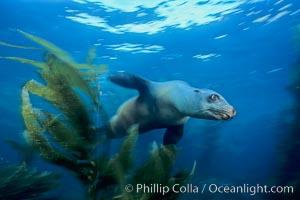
<point>156,188</point>
<point>249,189</point>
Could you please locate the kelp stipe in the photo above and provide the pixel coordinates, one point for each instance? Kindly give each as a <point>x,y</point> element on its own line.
<point>68,138</point>
<point>20,182</point>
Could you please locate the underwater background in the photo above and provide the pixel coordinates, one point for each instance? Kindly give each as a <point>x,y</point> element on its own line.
<point>247,50</point>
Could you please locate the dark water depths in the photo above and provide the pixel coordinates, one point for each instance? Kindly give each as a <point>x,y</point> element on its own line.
<point>245,50</point>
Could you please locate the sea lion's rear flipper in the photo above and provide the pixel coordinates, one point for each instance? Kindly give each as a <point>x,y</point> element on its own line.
<point>173,134</point>
<point>131,81</point>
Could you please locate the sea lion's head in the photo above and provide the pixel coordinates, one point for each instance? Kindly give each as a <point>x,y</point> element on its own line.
<point>208,104</point>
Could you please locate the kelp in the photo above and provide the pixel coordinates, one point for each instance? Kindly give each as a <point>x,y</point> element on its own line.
<point>289,173</point>
<point>65,132</point>
<point>159,165</point>
<point>72,136</point>
<point>59,53</point>
<point>65,136</point>
<point>120,164</point>
<point>26,61</point>
<point>35,133</point>
<point>18,46</point>
<point>63,55</point>
<point>156,170</point>
<point>20,182</point>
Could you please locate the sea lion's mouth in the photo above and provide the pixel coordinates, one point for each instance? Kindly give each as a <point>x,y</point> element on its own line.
<point>223,114</point>
<point>226,116</point>
<point>215,114</point>
<point>229,115</point>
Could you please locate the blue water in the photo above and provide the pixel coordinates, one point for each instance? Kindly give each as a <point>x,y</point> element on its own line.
<point>245,50</point>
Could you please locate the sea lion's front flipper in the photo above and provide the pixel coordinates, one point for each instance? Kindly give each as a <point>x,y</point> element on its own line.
<point>131,81</point>
<point>173,134</point>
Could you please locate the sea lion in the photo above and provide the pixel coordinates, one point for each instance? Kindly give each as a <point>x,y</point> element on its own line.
<point>165,105</point>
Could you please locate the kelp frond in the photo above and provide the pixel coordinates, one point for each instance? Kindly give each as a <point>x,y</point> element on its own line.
<point>18,46</point>
<point>19,182</point>
<point>120,164</point>
<point>26,61</point>
<point>58,52</point>
<point>35,131</point>
<point>156,170</point>
<point>91,56</point>
<point>71,75</point>
<point>158,167</point>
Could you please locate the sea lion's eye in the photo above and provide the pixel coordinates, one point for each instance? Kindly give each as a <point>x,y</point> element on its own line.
<point>197,91</point>
<point>214,97</point>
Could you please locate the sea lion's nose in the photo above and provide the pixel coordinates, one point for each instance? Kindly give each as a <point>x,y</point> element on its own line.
<point>233,112</point>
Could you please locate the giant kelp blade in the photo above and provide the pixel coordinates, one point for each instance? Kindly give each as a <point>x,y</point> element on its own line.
<point>126,150</point>
<point>69,103</point>
<point>91,56</point>
<point>61,95</point>
<point>42,91</point>
<point>35,130</point>
<point>29,117</point>
<point>32,125</point>
<point>18,46</point>
<point>27,61</point>
<point>49,46</point>
<point>64,135</point>
<point>61,54</point>
<point>158,167</point>
<point>193,169</point>
<point>120,164</point>
<point>183,177</point>
<point>71,75</point>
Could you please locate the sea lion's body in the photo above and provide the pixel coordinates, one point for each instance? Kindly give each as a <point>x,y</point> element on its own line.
<point>164,105</point>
